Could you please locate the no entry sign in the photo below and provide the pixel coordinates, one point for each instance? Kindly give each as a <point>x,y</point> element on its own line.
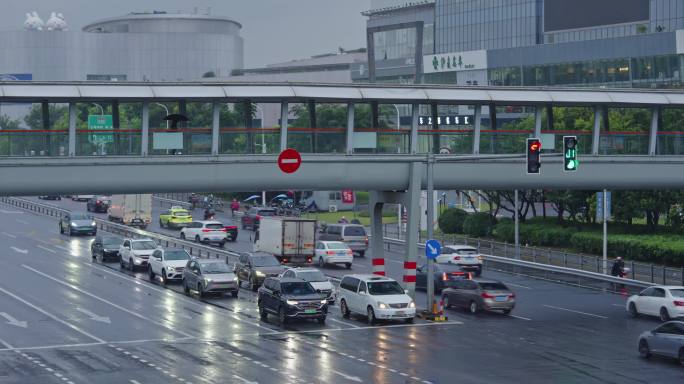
<point>289,160</point>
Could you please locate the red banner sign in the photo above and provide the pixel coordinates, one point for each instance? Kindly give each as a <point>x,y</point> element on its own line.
<point>347,196</point>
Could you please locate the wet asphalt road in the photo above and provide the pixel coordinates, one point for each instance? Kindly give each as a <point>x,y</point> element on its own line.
<point>67,319</point>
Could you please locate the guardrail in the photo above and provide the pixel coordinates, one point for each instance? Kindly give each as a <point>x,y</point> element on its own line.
<point>647,272</point>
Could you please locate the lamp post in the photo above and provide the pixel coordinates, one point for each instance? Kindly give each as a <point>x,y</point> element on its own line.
<point>263,146</point>
<point>398,126</point>
<point>167,113</point>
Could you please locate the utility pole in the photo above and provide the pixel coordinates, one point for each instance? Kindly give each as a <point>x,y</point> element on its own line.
<point>605,232</point>
<point>430,229</point>
<point>517,227</point>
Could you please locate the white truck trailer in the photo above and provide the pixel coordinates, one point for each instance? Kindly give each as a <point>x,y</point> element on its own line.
<point>290,239</point>
<point>133,210</point>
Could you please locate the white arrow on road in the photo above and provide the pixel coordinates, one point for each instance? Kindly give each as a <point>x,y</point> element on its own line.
<point>12,321</point>
<point>102,319</point>
<point>348,377</point>
<point>15,249</point>
<point>245,380</point>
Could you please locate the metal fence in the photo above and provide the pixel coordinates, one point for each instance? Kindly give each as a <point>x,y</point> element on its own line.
<point>647,272</point>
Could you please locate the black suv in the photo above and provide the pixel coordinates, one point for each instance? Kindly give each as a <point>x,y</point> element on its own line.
<point>254,267</point>
<point>106,247</point>
<point>291,299</point>
<point>99,204</point>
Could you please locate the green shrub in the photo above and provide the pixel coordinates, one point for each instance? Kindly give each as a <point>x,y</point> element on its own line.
<point>451,220</point>
<point>504,231</point>
<point>478,225</point>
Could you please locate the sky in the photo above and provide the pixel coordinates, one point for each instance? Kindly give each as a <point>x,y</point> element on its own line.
<point>273,30</point>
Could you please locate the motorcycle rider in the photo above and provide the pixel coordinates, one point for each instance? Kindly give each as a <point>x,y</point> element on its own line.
<point>618,269</point>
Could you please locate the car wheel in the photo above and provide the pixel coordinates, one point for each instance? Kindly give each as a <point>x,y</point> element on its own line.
<point>186,289</point>
<point>281,316</point>
<point>253,284</point>
<point>121,262</point>
<point>409,320</point>
<point>182,236</point>
<point>163,277</point>
<point>161,224</point>
<point>61,230</point>
<point>263,315</point>
<point>681,356</point>
<point>151,273</point>
<point>664,315</point>
<point>362,253</point>
<point>343,308</point>
<point>633,310</point>
<point>506,311</point>
<point>321,263</point>
<point>235,293</point>
<point>321,320</point>
<point>371,315</point>
<point>473,307</point>
<point>445,300</point>
<point>348,265</point>
<point>71,231</point>
<point>200,290</point>
<point>197,239</point>
<point>130,265</point>
<point>478,273</point>
<point>645,350</point>
<point>222,244</point>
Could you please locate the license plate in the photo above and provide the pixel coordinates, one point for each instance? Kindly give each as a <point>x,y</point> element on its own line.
<point>400,313</point>
<point>501,298</point>
<point>310,311</point>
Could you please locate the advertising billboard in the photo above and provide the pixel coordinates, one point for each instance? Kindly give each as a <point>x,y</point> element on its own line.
<point>564,14</point>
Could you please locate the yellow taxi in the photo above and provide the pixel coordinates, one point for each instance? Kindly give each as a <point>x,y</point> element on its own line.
<point>175,217</point>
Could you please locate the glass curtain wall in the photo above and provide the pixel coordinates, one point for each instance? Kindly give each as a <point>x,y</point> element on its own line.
<point>106,128</point>
<point>626,132</point>
<point>670,139</point>
<point>568,121</point>
<point>34,129</point>
<point>506,131</point>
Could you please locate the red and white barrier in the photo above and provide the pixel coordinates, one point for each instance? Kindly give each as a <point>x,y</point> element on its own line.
<point>410,275</point>
<point>378,266</point>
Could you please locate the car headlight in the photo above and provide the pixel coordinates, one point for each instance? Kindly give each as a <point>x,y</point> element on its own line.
<point>324,301</point>
<point>171,269</point>
<point>259,273</point>
<point>382,305</point>
<point>235,278</point>
<point>412,305</point>
<point>207,280</point>
<point>93,224</point>
<point>73,224</point>
<point>292,302</point>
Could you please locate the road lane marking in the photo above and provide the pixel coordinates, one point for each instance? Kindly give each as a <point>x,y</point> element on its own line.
<point>23,222</point>
<point>9,235</point>
<point>517,285</point>
<point>520,317</point>
<point>12,321</point>
<point>19,250</point>
<point>343,322</point>
<point>46,249</point>
<point>94,317</point>
<point>53,317</point>
<point>136,314</point>
<point>242,379</point>
<point>134,381</point>
<point>572,310</point>
<point>619,305</point>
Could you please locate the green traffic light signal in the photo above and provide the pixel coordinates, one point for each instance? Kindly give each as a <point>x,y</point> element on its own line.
<point>570,162</point>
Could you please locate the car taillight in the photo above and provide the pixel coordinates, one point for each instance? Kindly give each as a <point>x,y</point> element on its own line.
<point>444,276</point>
<point>228,227</point>
<point>457,257</point>
<point>309,259</point>
<point>329,252</point>
<point>366,240</point>
<point>284,260</point>
<point>258,217</point>
<point>349,252</point>
<point>486,295</point>
<point>679,303</point>
<point>458,273</point>
<point>206,230</point>
<point>480,258</point>
<point>511,296</point>
<point>98,202</point>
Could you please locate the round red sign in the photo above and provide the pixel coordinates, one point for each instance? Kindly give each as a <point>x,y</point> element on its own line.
<point>289,160</point>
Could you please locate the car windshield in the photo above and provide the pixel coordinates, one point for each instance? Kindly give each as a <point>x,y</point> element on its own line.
<point>79,216</point>
<point>297,288</point>
<point>466,251</point>
<point>265,261</point>
<point>354,231</point>
<point>180,213</point>
<point>493,287</point>
<point>266,213</point>
<point>337,246</point>
<point>144,245</point>
<point>312,276</point>
<point>677,292</point>
<point>385,288</point>
<point>111,241</point>
<point>216,267</point>
<point>176,255</point>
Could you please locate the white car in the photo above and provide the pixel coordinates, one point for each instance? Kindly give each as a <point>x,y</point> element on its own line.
<point>334,252</point>
<point>316,278</point>
<point>375,296</point>
<point>465,256</point>
<point>81,197</point>
<point>666,302</point>
<point>213,232</point>
<point>135,253</point>
<point>168,264</point>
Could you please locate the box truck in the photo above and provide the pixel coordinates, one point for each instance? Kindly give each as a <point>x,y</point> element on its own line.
<point>133,210</point>
<point>290,239</point>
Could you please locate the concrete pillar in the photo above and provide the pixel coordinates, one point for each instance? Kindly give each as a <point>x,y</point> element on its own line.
<point>436,140</point>
<point>538,121</point>
<point>596,133</point>
<point>350,129</point>
<point>477,129</point>
<point>377,244</point>
<point>653,137</point>
<point>248,108</point>
<point>415,116</point>
<point>116,123</point>
<point>284,114</point>
<point>72,128</point>
<point>145,133</point>
<point>412,227</point>
<point>313,124</point>
<point>215,125</point>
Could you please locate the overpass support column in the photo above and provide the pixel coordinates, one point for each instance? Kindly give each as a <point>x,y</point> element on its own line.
<point>477,129</point>
<point>596,134</point>
<point>215,124</point>
<point>415,116</point>
<point>538,121</point>
<point>653,138</point>
<point>284,114</point>
<point>377,201</point>
<point>72,129</point>
<point>350,129</point>
<point>145,133</point>
<point>412,201</point>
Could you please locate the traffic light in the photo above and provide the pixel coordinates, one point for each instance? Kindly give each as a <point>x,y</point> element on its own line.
<point>533,156</point>
<point>570,163</point>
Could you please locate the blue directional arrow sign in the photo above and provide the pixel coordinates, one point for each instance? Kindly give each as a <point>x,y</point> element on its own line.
<point>432,249</point>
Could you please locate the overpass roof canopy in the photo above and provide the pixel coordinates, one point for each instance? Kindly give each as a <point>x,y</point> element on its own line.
<point>359,93</point>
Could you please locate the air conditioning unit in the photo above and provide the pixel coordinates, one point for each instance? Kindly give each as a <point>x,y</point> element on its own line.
<point>332,208</point>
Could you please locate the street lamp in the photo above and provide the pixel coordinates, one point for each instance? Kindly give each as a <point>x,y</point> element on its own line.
<point>263,146</point>
<point>167,113</point>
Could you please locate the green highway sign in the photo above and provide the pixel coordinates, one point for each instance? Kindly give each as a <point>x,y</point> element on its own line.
<point>100,123</point>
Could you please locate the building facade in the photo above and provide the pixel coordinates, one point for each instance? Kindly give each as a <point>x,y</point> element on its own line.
<point>155,46</point>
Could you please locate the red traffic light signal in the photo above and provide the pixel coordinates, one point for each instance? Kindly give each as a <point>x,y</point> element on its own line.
<point>533,156</point>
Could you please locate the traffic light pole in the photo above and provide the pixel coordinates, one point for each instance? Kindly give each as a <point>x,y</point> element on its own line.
<point>605,233</point>
<point>430,230</point>
<point>517,227</point>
